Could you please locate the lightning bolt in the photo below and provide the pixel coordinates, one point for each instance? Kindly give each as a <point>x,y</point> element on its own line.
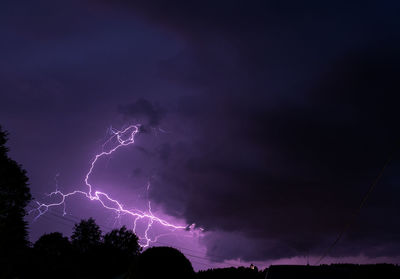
<point>118,139</point>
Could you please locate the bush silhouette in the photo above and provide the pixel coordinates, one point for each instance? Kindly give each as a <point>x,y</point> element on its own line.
<point>162,262</point>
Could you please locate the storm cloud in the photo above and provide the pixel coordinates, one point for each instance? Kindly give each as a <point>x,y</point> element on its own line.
<point>144,110</point>
<point>292,125</point>
<point>269,120</point>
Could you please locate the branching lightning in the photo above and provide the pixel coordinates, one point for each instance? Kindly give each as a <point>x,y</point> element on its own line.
<point>118,139</point>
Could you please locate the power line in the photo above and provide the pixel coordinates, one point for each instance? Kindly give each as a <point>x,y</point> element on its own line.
<point>47,217</point>
<point>361,205</point>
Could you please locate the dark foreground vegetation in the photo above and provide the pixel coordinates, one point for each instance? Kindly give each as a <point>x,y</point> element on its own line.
<point>91,254</point>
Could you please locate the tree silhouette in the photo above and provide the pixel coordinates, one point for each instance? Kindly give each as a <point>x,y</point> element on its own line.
<point>53,245</point>
<point>14,196</point>
<point>86,235</point>
<point>162,262</point>
<point>120,248</point>
<point>103,257</point>
<point>53,257</point>
<point>89,260</point>
<point>123,242</point>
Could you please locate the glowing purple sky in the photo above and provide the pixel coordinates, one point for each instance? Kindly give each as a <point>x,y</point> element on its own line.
<point>262,124</point>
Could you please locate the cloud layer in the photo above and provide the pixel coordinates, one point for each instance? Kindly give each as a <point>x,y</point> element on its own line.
<point>296,115</point>
<point>271,119</point>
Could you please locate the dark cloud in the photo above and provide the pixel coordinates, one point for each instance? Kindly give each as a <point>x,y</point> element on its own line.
<point>296,116</point>
<point>143,110</point>
<point>280,115</point>
<point>291,176</point>
<point>164,152</point>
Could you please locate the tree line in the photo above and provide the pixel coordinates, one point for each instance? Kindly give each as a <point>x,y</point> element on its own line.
<point>89,254</point>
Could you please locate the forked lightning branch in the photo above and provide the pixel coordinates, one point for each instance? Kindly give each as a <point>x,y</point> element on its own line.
<point>118,140</point>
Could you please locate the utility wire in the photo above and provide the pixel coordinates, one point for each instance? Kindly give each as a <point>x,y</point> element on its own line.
<point>361,205</point>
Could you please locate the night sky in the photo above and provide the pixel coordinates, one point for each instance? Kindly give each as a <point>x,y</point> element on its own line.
<point>263,122</point>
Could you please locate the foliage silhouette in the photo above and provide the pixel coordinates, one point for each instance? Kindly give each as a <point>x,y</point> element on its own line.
<point>53,245</point>
<point>89,255</point>
<point>161,262</point>
<point>123,241</point>
<point>86,236</point>
<point>231,273</point>
<point>53,256</point>
<point>120,248</point>
<point>90,258</point>
<point>333,271</point>
<point>14,196</point>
